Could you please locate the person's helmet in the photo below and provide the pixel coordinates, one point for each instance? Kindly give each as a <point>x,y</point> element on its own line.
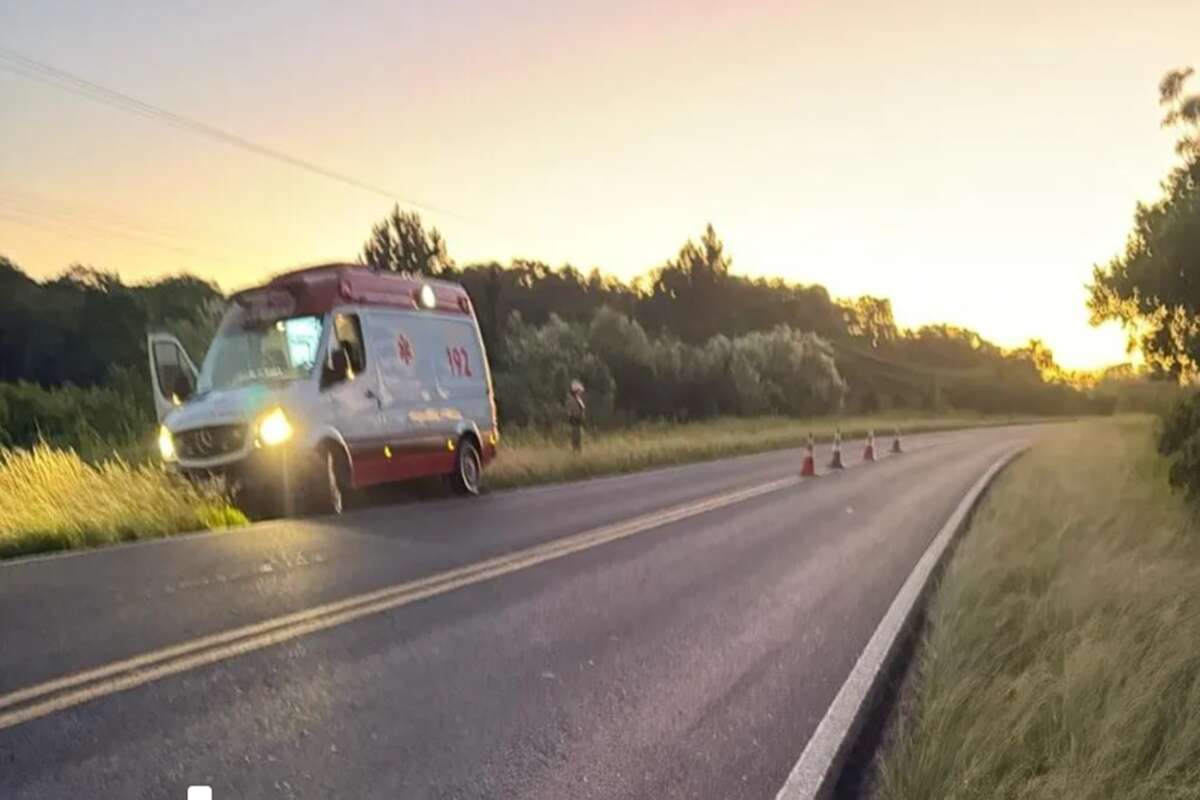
<point>576,387</point>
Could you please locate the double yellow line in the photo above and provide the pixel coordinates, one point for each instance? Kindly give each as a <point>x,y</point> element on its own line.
<point>82,687</point>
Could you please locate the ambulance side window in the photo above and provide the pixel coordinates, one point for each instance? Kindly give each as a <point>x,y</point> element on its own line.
<point>173,377</point>
<point>348,330</point>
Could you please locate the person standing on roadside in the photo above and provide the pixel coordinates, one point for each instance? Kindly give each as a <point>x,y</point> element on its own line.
<point>576,413</point>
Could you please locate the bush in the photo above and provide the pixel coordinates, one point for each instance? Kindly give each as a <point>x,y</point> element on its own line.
<point>1141,394</point>
<point>632,376</point>
<point>542,362</point>
<point>1179,441</point>
<point>84,419</point>
<point>51,499</point>
<point>789,372</point>
<point>629,355</point>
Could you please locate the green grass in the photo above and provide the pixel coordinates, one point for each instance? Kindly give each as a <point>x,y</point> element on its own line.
<point>51,499</point>
<point>1062,656</point>
<point>528,458</point>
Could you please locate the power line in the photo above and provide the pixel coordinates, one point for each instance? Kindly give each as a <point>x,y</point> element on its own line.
<point>30,69</point>
<point>50,220</point>
<point>170,231</point>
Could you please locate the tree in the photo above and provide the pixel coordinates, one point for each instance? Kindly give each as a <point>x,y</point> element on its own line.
<point>1041,357</point>
<point>1153,288</point>
<point>1183,111</point>
<point>870,318</point>
<point>686,295</point>
<point>947,346</point>
<point>400,243</point>
<point>705,263</point>
<point>186,306</point>
<point>85,324</point>
<point>21,337</point>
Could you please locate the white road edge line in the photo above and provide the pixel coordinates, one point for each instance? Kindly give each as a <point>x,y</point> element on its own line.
<point>816,771</point>
<point>81,687</point>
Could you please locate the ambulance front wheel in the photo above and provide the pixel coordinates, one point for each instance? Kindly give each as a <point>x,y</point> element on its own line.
<point>331,484</point>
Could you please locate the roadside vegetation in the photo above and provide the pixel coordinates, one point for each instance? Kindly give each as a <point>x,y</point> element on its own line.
<point>1062,656</point>
<point>533,457</point>
<point>51,499</point>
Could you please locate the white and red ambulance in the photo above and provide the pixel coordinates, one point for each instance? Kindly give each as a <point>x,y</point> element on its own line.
<point>329,379</point>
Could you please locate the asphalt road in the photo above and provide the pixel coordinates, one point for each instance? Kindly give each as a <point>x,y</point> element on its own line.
<point>689,653</point>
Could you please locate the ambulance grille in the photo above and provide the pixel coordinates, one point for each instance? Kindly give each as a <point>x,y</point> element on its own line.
<point>217,440</point>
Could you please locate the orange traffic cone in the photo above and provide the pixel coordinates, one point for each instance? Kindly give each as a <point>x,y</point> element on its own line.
<point>869,450</point>
<point>809,468</point>
<point>836,461</point>
<point>896,443</point>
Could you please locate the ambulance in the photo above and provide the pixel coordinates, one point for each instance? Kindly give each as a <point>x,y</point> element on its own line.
<point>327,380</point>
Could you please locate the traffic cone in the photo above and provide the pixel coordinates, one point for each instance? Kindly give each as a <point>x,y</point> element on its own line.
<point>809,468</point>
<point>836,461</point>
<point>869,450</point>
<point>896,443</point>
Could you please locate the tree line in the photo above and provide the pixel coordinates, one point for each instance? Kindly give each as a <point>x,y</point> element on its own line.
<point>73,362</point>
<point>688,340</point>
<point>679,316</point>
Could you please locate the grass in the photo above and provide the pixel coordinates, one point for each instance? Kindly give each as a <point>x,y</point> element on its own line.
<point>1062,655</point>
<point>528,458</point>
<point>51,499</point>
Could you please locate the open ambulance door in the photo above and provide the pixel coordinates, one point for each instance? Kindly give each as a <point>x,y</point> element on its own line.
<point>172,372</point>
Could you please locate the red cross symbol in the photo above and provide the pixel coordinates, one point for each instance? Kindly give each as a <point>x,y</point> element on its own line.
<point>404,347</point>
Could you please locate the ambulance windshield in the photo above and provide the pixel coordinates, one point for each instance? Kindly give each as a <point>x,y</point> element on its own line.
<point>249,350</point>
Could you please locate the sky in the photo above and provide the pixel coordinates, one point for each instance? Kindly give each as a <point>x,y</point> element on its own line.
<point>970,161</point>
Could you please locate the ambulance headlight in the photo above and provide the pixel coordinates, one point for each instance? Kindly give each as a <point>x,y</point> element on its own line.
<point>274,428</point>
<point>166,444</point>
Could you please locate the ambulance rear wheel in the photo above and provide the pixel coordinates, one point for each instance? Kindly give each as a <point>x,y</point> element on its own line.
<point>468,468</point>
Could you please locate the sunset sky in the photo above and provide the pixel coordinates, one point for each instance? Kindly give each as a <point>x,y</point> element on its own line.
<point>971,161</point>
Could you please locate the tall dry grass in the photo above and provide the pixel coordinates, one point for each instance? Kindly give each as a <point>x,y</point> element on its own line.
<point>51,499</point>
<point>529,458</point>
<point>1062,658</point>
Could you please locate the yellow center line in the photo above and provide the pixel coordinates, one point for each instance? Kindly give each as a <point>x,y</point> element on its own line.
<point>82,687</point>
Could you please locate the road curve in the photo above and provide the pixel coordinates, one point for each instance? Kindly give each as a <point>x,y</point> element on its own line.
<point>675,633</point>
